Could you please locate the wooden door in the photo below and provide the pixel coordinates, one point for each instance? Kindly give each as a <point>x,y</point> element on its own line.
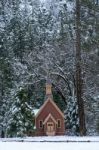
<point>50,128</point>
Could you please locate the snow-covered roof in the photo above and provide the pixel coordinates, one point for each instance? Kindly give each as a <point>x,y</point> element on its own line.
<point>35,111</point>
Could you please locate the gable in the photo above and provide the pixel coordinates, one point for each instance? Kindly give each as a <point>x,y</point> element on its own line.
<point>50,116</point>
<point>53,104</point>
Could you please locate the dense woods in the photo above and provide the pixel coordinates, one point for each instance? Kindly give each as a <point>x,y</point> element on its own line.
<point>58,39</point>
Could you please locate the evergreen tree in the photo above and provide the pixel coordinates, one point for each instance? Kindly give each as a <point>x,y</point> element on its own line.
<point>37,39</point>
<point>21,122</point>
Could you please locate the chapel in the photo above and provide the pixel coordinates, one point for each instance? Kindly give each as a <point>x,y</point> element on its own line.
<point>50,119</point>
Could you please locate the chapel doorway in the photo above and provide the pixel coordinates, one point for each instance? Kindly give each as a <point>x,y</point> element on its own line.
<point>50,129</point>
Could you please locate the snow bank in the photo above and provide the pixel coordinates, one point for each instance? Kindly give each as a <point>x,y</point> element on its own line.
<point>53,139</point>
<point>48,146</point>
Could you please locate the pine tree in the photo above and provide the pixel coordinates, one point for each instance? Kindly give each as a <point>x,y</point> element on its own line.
<point>21,122</point>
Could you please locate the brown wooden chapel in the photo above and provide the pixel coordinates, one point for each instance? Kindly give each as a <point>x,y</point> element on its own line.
<point>49,120</point>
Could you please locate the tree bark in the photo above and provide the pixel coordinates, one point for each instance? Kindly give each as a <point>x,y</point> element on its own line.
<point>81,115</point>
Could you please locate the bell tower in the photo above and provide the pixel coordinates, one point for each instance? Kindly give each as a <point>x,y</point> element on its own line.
<point>48,88</point>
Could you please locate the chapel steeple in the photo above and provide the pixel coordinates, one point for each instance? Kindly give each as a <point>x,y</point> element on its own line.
<point>48,89</point>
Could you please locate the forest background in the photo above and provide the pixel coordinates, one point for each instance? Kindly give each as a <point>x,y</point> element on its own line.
<point>37,39</point>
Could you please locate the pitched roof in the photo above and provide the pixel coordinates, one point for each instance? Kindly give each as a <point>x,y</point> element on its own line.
<point>49,116</point>
<point>53,103</point>
<point>35,111</point>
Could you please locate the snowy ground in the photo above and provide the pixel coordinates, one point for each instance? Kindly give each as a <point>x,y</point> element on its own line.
<point>50,143</point>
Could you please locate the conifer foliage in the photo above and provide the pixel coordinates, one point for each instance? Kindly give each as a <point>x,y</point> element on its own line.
<point>21,122</point>
<point>38,38</point>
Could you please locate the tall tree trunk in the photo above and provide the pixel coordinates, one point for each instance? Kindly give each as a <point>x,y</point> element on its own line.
<point>81,115</point>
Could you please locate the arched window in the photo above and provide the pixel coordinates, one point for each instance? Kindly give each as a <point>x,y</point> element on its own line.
<point>41,124</point>
<point>59,123</point>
